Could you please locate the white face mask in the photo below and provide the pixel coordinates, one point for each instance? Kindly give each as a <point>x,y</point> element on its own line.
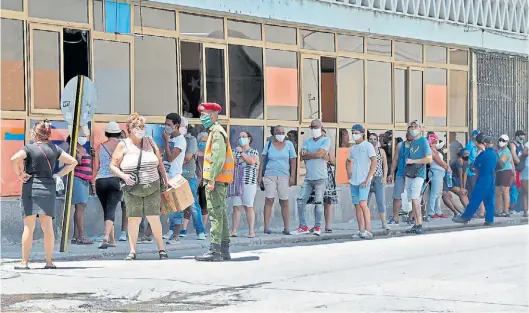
<point>280,138</point>
<point>316,132</point>
<point>243,141</point>
<point>439,145</point>
<point>139,133</point>
<point>168,129</point>
<point>357,136</point>
<point>502,144</point>
<point>82,140</point>
<point>182,130</point>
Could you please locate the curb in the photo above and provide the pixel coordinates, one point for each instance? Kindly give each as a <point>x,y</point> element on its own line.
<point>344,234</point>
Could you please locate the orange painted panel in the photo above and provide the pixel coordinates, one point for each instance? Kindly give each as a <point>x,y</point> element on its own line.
<point>98,133</point>
<point>12,85</point>
<point>12,140</point>
<point>435,100</point>
<point>47,88</point>
<point>282,86</point>
<point>328,97</point>
<point>341,173</point>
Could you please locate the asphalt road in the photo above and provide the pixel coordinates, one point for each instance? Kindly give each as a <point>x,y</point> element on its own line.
<point>478,270</point>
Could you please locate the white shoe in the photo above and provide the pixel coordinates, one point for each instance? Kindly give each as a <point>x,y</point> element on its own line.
<point>122,236</point>
<point>356,235</point>
<point>366,235</point>
<point>168,235</point>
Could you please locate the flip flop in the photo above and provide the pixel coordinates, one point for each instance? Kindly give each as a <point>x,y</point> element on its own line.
<point>50,267</point>
<point>233,235</point>
<point>131,257</point>
<point>251,235</point>
<point>22,267</point>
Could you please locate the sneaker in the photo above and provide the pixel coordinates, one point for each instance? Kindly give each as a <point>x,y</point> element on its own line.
<point>411,230</point>
<point>122,236</point>
<point>302,230</point>
<point>366,235</point>
<point>173,240</point>
<point>442,216</point>
<point>459,219</point>
<point>393,222</point>
<point>286,232</point>
<point>316,231</point>
<point>488,224</point>
<point>98,238</point>
<point>144,239</point>
<point>183,233</point>
<point>201,236</point>
<point>419,230</point>
<point>434,216</point>
<point>356,235</point>
<point>168,235</point>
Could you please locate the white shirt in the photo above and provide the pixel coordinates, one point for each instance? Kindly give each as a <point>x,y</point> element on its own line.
<point>175,167</point>
<point>360,155</point>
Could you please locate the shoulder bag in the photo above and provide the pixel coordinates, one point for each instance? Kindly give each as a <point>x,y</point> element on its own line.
<point>135,176</point>
<point>59,185</point>
<point>412,170</point>
<point>163,183</point>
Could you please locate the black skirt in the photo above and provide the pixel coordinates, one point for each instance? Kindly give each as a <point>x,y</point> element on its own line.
<point>38,197</point>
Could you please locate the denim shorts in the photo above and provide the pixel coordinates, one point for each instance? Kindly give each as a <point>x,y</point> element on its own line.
<point>80,191</point>
<point>359,194</point>
<point>398,187</point>
<point>413,187</point>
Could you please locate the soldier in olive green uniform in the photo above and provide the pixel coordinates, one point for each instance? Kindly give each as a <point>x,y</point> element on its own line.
<point>217,174</point>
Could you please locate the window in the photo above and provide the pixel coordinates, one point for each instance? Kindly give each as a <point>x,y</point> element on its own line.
<point>415,89</point>
<point>112,76</point>
<point>281,85</point>
<point>459,57</point>
<point>279,34</point>
<point>435,97</point>
<point>191,72</point>
<point>71,10</point>
<point>458,98</point>
<point>12,56</point>
<point>216,78</point>
<point>435,54</point>
<point>351,43</point>
<point>154,18</point>
<point>12,141</point>
<point>351,90</point>
<point>379,46</point>
<point>155,75</point>
<point>117,17</point>
<point>244,30</point>
<point>328,90</point>
<point>257,133</point>
<point>15,5</point>
<point>99,18</point>
<point>378,104</point>
<point>456,141</point>
<point>408,52</point>
<point>313,40</point>
<point>201,26</point>
<point>399,84</point>
<point>246,82</point>
<point>311,89</point>
<point>46,71</point>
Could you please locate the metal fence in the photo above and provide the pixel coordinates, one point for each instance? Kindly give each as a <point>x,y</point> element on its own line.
<point>502,92</point>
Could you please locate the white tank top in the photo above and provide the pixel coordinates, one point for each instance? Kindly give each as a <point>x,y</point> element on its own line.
<point>435,166</point>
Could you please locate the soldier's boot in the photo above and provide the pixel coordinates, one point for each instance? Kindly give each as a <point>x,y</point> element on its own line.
<point>225,251</point>
<point>213,255</point>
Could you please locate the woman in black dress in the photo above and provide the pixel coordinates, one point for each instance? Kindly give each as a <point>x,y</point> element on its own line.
<point>34,166</point>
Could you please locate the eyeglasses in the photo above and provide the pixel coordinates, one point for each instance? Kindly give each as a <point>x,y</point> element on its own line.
<point>502,140</point>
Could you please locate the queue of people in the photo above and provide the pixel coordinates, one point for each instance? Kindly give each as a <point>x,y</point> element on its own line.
<point>132,171</point>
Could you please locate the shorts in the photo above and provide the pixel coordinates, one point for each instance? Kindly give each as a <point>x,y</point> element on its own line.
<point>525,174</point>
<point>143,200</point>
<point>413,187</point>
<point>248,196</point>
<point>276,183</point>
<point>81,188</point>
<point>398,187</point>
<point>504,178</point>
<point>359,194</point>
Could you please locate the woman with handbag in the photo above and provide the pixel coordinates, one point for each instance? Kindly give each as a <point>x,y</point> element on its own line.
<point>504,176</point>
<point>34,165</point>
<point>137,161</point>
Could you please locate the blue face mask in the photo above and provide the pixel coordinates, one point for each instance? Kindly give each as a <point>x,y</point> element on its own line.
<point>414,132</point>
<point>206,121</point>
<point>202,146</point>
<point>243,141</point>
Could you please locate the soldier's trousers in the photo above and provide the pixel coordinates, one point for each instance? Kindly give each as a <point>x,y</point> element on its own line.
<point>218,215</point>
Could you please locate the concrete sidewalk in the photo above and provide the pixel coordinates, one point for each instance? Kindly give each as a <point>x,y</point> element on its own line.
<point>12,253</point>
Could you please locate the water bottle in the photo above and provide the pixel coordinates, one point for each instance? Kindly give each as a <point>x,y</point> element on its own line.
<point>449,179</point>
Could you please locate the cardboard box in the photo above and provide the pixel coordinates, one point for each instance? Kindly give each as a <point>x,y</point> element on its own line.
<point>177,198</point>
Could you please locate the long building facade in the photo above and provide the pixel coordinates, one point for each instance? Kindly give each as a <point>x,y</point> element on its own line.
<point>382,63</point>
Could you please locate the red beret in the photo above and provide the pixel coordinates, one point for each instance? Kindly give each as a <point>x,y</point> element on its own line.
<point>209,107</point>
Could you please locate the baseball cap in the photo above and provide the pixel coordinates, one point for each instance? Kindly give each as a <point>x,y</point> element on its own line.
<point>475,132</point>
<point>483,139</point>
<point>113,128</point>
<point>504,137</point>
<point>358,127</point>
<point>417,122</point>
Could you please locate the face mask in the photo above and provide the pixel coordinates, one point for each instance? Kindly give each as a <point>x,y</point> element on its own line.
<point>465,158</point>
<point>414,132</point>
<point>82,140</point>
<point>356,137</point>
<point>139,133</point>
<point>439,145</point>
<point>520,139</point>
<point>373,142</point>
<point>206,121</point>
<point>243,141</point>
<point>202,146</point>
<point>182,130</point>
<point>168,129</point>
<point>316,132</point>
<point>280,138</point>
<point>502,144</point>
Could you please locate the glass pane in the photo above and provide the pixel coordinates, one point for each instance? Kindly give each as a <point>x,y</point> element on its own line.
<point>215,78</point>
<point>191,71</point>
<point>313,40</point>
<point>456,141</point>
<point>328,90</point>
<point>154,18</point>
<point>201,26</point>
<point>408,52</point>
<point>12,56</point>
<point>99,20</point>
<point>379,93</point>
<point>15,5</point>
<point>112,76</point>
<point>379,46</point>
<point>155,75</point>
<point>351,90</point>
<point>458,98</point>
<point>71,10</point>
<point>281,85</point>
<point>435,97</point>
<point>12,140</point>
<point>311,89</point>
<point>280,34</point>
<point>458,56</point>
<point>400,95</point>
<point>351,43</point>
<point>46,69</point>
<point>244,30</point>
<point>256,132</point>
<point>435,54</point>
<point>414,112</point>
<point>246,82</point>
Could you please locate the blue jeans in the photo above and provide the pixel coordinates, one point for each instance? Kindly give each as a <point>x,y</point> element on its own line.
<point>194,209</point>
<point>378,189</point>
<point>436,192</point>
<point>319,188</point>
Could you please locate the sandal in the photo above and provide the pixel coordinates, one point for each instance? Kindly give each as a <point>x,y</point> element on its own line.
<point>74,241</point>
<point>233,235</point>
<point>104,244</point>
<point>84,241</point>
<point>267,231</point>
<point>251,235</point>
<point>22,266</point>
<point>163,255</point>
<point>131,256</point>
<point>50,267</point>
<point>286,232</point>
<point>328,230</point>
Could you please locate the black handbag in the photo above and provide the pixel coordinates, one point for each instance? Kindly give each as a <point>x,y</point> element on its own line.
<point>135,176</point>
<point>412,170</point>
<point>163,183</point>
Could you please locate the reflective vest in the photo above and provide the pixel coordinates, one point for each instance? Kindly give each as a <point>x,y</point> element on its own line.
<point>226,174</point>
